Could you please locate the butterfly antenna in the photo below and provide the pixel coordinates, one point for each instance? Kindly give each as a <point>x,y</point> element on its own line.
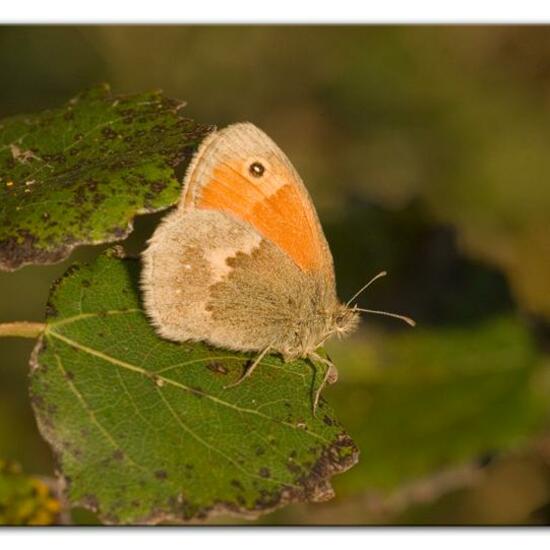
<point>407,320</point>
<point>363,288</point>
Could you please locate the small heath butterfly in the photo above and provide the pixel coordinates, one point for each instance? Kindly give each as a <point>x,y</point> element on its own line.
<point>242,263</point>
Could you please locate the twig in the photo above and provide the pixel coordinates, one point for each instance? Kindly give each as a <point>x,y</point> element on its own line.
<point>22,329</point>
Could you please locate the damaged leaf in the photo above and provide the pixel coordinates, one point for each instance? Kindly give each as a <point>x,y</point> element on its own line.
<point>80,174</point>
<point>143,429</point>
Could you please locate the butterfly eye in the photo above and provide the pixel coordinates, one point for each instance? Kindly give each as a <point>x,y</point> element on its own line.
<point>256,169</point>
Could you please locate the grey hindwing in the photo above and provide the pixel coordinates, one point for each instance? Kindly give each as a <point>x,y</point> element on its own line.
<point>208,276</point>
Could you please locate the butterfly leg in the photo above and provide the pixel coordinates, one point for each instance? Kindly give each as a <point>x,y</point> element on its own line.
<point>250,369</point>
<point>330,377</point>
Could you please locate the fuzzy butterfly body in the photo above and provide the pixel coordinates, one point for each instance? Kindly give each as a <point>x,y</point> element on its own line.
<point>242,263</point>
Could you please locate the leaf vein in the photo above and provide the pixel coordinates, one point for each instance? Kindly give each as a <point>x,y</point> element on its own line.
<point>143,372</point>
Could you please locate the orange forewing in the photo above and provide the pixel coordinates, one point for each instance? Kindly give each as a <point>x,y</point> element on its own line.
<point>282,217</point>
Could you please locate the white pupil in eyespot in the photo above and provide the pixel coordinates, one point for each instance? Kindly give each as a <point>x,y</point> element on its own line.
<point>257,169</point>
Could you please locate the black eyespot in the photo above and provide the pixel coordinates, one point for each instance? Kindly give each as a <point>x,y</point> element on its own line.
<point>257,169</point>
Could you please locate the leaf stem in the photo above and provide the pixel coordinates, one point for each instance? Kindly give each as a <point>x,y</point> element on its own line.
<point>22,329</point>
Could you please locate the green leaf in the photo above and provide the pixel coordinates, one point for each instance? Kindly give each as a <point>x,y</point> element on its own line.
<point>24,499</point>
<point>429,400</point>
<point>79,174</point>
<point>143,428</point>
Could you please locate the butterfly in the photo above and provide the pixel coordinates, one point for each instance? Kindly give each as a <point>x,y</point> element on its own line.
<point>242,263</point>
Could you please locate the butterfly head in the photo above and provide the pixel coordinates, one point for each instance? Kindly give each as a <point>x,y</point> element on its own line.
<point>312,331</point>
<point>345,320</point>
<point>339,321</point>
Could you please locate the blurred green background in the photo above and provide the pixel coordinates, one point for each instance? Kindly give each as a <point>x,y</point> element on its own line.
<point>426,151</point>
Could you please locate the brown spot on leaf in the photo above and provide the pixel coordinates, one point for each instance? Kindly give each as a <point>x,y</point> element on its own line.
<point>90,501</point>
<point>197,391</point>
<point>327,420</point>
<point>108,133</point>
<point>37,400</point>
<point>293,467</point>
<point>217,367</point>
<point>237,484</point>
